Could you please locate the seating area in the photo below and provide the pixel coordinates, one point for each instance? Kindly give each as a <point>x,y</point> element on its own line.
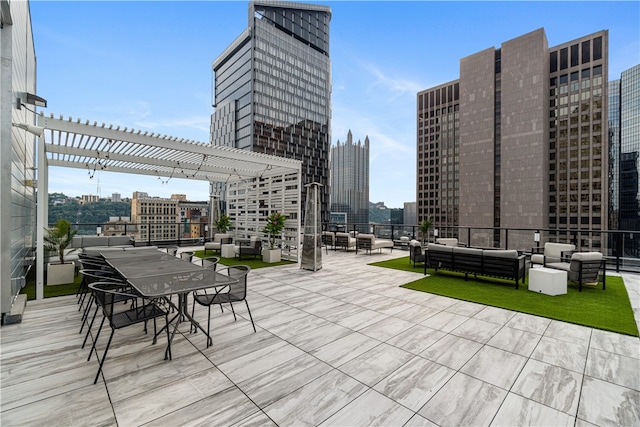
<point>219,239</point>
<point>552,253</point>
<point>505,264</point>
<point>250,247</point>
<point>369,243</point>
<point>583,267</point>
<point>345,241</point>
<point>341,346</point>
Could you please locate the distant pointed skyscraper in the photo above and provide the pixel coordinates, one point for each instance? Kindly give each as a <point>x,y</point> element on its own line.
<point>350,181</point>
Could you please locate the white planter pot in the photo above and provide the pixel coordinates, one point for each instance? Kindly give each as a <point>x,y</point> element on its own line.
<point>271,255</point>
<point>60,274</point>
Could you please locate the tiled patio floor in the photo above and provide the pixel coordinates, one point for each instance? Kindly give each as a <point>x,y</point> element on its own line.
<point>341,346</point>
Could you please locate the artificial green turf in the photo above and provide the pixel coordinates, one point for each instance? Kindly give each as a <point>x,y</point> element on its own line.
<point>607,309</point>
<point>50,291</point>
<point>252,261</point>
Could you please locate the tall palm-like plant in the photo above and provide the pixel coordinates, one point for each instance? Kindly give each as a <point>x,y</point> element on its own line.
<point>223,223</point>
<point>58,238</point>
<point>425,226</point>
<point>274,227</point>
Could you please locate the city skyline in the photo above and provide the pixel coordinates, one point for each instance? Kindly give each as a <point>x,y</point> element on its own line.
<point>123,63</point>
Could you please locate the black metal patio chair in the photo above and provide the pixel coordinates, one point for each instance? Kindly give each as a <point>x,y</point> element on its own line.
<point>228,294</point>
<point>106,295</point>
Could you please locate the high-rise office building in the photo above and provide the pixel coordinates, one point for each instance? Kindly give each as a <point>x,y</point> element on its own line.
<point>519,140</point>
<point>350,180</point>
<point>624,141</point>
<point>273,89</point>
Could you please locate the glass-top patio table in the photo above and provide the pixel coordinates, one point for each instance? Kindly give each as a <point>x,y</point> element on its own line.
<point>160,275</point>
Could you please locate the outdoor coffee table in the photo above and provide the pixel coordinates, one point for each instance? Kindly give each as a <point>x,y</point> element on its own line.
<point>160,276</point>
<point>548,281</point>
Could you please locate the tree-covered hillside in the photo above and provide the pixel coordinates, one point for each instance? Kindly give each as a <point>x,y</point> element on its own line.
<point>94,213</point>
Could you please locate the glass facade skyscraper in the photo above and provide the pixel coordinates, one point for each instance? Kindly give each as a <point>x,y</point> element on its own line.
<point>624,138</point>
<point>350,181</point>
<point>273,89</point>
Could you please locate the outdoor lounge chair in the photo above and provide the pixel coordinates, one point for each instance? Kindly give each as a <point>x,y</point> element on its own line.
<point>584,267</point>
<point>219,239</point>
<point>416,253</point>
<point>345,241</point>
<point>251,247</point>
<point>552,252</point>
<point>369,243</point>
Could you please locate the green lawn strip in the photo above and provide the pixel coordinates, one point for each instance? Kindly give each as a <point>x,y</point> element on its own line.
<point>251,262</point>
<point>608,310</point>
<point>50,291</point>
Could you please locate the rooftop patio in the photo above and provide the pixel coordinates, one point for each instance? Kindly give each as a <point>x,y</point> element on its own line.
<point>341,346</point>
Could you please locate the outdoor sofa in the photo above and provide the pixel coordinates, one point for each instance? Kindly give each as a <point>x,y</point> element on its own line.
<point>506,264</point>
<point>368,242</point>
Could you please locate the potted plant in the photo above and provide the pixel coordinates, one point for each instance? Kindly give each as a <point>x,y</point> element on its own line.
<point>56,240</point>
<point>223,223</point>
<point>274,227</point>
<point>425,226</point>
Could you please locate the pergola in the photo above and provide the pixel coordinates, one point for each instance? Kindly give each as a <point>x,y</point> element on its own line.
<point>92,146</point>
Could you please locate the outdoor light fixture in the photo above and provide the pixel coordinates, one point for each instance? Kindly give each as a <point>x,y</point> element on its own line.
<point>29,98</point>
<point>536,236</point>
<point>36,130</point>
<point>435,232</point>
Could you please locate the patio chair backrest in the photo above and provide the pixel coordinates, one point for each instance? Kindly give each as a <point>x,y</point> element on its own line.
<point>237,291</point>
<point>590,262</point>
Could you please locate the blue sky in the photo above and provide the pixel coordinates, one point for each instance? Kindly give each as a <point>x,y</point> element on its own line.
<point>147,65</point>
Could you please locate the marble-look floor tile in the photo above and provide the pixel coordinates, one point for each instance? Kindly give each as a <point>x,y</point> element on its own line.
<point>419,421</point>
<point>549,385</point>
<point>621,370</point>
<point>370,408</point>
<point>386,328</point>
<point>316,401</point>
<point>147,406</point>
<point>224,408</point>
<point>301,325</point>
<point>417,313</point>
<point>413,383</point>
<point>466,308</point>
<point>375,364</point>
<point>515,341</point>
<point>518,411</point>
<point>567,332</point>
<point>603,403</point>
<point>623,345</point>
<point>257,419</point>
<point>529,323</point>
<point>361,319</point>
<point>561,353</point>
<point>257,362</point>
<point>85,406</point>
<point>318,337</point>
<point>477,330</point>
<point>416,339</point>
<point>495,315</point>
<point>344,349</point>
<point>445,321</point>
<point>452,351</point>
<point>464,401</point>
<point>495,366</point>
<point>269,386</point>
